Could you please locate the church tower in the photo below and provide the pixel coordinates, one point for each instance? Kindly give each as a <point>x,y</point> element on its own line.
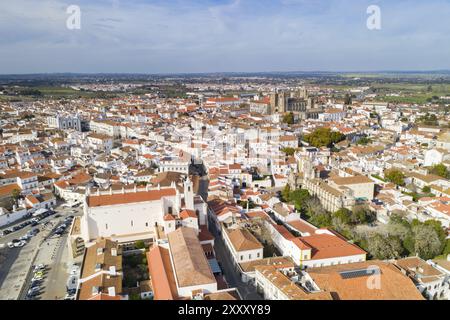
<point>189,194</point>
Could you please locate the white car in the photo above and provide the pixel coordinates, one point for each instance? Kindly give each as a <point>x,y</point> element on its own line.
<point>10,245</point>
<point>39,267</point>
<point>69,297</point>
<point>20,244</point>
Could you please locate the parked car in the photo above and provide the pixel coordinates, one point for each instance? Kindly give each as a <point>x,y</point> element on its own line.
<point>37,277</point>
<point>34,291</point>
<point>71,291</point>
<point>39,267</point>
<point>20,244</point>
<point>39,273</point>
<point>10,245</point>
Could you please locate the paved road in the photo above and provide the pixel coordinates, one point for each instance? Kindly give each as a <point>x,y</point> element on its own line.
<point>15,269</point>
<point>55,254</point>
<point>232,276</point>
<point>203,185</point>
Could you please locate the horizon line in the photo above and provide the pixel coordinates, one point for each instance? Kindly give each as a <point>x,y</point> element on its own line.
<point>228,72</point>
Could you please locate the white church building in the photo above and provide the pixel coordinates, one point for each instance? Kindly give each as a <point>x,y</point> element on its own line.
<point>141,213</point>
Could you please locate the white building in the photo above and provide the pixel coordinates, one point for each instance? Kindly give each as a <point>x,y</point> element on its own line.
<point>128,215</point>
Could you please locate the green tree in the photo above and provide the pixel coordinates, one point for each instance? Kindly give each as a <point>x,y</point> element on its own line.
<point>342,216</point>
<point>399,227</point>
<point>426,189</point>
<point>347,99</point>
<point>440,170</point>
<point>361,214</point>
<point>364,141</point>
<point>288,118</point>
<point>426,242</point>
<point>395,176</point>
<point>381,247</point>
<point>441,233</point>
<point>446,248</point>
<point>15,194</point>
<point>300,197</point>
<point>288,151</point>
<point>323,137</point>
<point>321,220</point>
<point>286,193</point>
<point>139,244</point>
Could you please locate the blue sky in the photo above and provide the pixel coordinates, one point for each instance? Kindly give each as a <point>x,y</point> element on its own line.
<point>170,36</point>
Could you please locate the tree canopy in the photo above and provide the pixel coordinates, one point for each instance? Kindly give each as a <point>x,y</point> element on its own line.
<point>288,118</point>
<point>324,137</point>
<point>440,170</point>
<point>395,176</point>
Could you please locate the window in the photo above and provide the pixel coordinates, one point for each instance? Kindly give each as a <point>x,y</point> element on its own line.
<point>249,256</point>
<point>146,224</point>
<point>242,258</point>
<point>170,210</point>
<point>257,255</point>
<point>131,222</point>
<point>106,226</point>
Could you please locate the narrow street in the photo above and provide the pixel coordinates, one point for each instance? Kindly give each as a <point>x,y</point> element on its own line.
<point>232,276</point>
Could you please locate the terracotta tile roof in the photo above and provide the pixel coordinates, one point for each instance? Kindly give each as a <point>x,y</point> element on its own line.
<point>190,264</point>
<point>103,283</point>
<point>100,257</point>
<point>185,214</point>
<point>393,284</point>
<point>351,180</point>
<point>204,234</point>
<point>326,246</point>
<point>278,262</point>
<point>161,273</point>
<point>8,189</point>
<point>291,290</point>
<point>243,240</point>
<point>417,266</point>
<point>223,296</point>
<point>168,217</point>
<point>302,226</point>
<point>131,197</point>
<point>105,259</point>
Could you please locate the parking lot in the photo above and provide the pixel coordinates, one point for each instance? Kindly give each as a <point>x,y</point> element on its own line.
<point>46,247</point>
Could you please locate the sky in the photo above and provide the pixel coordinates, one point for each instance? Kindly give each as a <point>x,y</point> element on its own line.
<point>181,36</point>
